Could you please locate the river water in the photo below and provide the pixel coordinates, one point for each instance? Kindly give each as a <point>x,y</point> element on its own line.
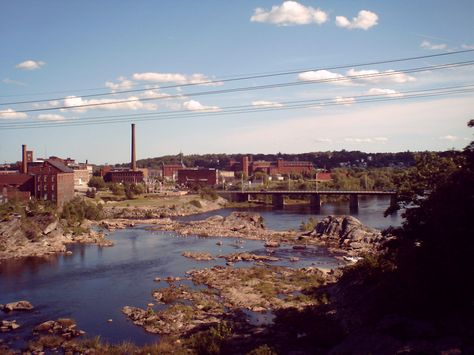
<point>93,284</point>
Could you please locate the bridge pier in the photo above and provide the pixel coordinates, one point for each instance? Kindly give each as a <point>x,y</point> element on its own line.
<point>278,200</point>
<point>354,202</point>
<point>315,202</point>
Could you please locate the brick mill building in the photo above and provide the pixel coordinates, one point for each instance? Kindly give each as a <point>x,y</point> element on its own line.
<point>202,176</point>
<point>280,167</point>
<point>48,180</point>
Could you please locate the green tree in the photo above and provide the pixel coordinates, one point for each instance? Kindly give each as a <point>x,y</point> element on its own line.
<point>97,182</point>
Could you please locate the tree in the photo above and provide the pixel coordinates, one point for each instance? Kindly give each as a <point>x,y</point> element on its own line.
<point>97,182</point>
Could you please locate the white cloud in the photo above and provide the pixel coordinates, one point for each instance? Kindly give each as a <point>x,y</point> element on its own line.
<point>289,13</point>
<point>176,78</point>
<point>193,105</point>
<point>388,92</point>
<point>365,19</point>
<point>324,75</point>
<point>344,100</point>
<point>13,82</point>
<point>450,137</point>
<point>431,46</point>
<point>367,140</point>
<point>122,84</point>
<point>108,104</point>
<point>154,94</point>
<point>323,140</point>
<point>467,46</point>
<point>51,117</point>
<point>10,114</point>
<point>30,65</point>
<point>356,76</point>
<point>375,76</point>
<point>264,103</point>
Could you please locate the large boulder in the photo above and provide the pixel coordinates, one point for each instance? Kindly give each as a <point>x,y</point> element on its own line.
<point>348,233</point>
<point>243,220</point>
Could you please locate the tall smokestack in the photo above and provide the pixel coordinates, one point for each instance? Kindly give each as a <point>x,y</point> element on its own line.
<point>134,157</point>
<point>24,160</point>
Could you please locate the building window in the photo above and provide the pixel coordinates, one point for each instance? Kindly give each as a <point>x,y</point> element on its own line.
<point>52,187</point>
<point>45,178</point>
<point>52,178</point>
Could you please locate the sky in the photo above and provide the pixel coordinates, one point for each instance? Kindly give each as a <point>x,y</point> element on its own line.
<point>195,68</point>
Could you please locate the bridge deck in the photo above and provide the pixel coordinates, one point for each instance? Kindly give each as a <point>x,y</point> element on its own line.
<point>312,192</point>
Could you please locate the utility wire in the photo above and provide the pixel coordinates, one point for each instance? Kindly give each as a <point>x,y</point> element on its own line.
<point>238,77</point>
<point>243,110</point>
<point>260,87</point>
<point>285,103</point>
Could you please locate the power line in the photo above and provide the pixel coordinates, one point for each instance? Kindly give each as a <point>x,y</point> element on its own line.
<point>93,118</point>
<point>260,87</point>
<point>241,77</point>
<point>249,109</point>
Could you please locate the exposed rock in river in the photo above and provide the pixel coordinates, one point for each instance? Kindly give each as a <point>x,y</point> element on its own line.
<point>247,257</point>
<point>17,306</point>
<point>200,256</point>
<point>348,233</point>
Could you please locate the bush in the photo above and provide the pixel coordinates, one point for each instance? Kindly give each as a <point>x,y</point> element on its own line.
<point>97,182</point>
<point>211,340</point>
<point>208,193</point>
<point>116,189</point>
<point>309,225</point>
<point>195,203</point>
<point>76,210</point>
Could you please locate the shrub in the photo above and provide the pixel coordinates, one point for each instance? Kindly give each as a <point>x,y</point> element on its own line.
<point>208,193</point>
<point>116,189</point>
<point>97,182</point>
<point>76,210</point>
<point>309,225</point>
<point>211,340</point>
<point>195,203</point>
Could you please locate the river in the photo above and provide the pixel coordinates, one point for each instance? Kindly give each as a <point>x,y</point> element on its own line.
<point>93,284</point>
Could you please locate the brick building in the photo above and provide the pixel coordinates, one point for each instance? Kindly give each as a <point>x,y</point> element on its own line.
<point>280,167</point>
<point>170,171</point>
<point>190,176</point>
<point>124,176</point>
<point>49,180</point>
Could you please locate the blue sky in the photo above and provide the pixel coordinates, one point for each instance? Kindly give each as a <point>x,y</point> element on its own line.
<point>60,51</point>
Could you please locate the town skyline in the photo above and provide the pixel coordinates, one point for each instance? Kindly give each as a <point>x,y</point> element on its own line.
<point>173,58</point>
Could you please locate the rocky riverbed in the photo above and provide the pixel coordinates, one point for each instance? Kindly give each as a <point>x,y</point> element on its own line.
<point>43,235</point>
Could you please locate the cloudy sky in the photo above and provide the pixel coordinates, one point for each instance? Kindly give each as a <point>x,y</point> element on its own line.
<point>233,76</point>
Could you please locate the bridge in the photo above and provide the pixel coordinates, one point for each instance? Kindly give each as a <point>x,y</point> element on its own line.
<point>278,197</point>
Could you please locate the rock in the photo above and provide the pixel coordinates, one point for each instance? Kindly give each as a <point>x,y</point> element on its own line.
<point>294,259</point>
<point>299,247</point>
<point>157,279</point>
<point>50,227</point>
<point>69,252</point>
<point>347,233</point>
<point>200,256</point>
<point>17,306</point>
<point>235,257</point>
<point>272,244</point>
<point>219,243</point>
<point>6,326</point>
<point>109,320</point>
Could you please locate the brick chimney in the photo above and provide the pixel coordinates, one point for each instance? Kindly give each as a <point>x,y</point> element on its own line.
<point>24,160</point>
<point>134,158</point>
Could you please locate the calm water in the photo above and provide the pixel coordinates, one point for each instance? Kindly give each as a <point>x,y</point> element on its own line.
<point>370,212</point>
<point>93,284</point>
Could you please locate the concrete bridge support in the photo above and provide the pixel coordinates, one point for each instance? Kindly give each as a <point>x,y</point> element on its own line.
<point>354,202</point>
<point>393,200</point>
<point>315,203</point>
<point>278,200</point>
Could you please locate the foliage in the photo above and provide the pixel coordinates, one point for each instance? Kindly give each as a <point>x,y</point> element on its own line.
<point>76,210</point>
<point>262,350</point>
<point>430,172</point>
<point>132,190</point>
<point>91,193</point>
<point>117,189</point>
<point>195,203</point>
<point>211,340</point>
<point>309,225</point>
<point>208,193</point>
<point>97,182</point>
